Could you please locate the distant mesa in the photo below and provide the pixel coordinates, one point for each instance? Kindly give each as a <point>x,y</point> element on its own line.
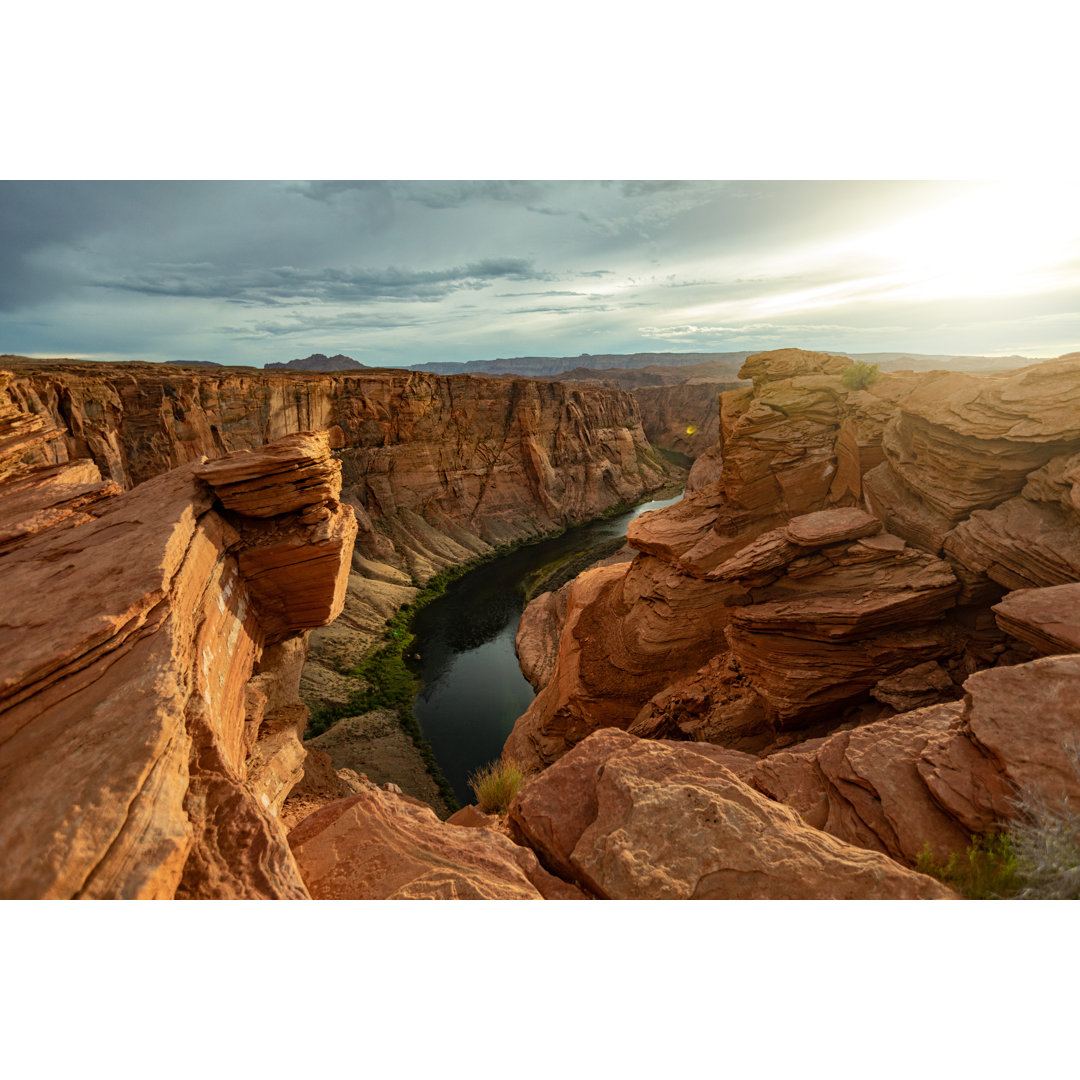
<point>318,362</point>
<point>194,363</point>
<point>711,364</point>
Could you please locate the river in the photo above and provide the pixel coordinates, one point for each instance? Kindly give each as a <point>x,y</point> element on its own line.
<point>471,688</point>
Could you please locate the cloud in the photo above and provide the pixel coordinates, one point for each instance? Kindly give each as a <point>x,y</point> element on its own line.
<point>290,284</point>
<point>436,195</point>
<point>546,292</point>
<point>634,189</point>
<point>326,190</point>
<point>699,335</point>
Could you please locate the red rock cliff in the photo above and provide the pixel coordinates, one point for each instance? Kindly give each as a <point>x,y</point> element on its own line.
<point>437,469</point>
<point>150,651</point>
<point>769,599</point>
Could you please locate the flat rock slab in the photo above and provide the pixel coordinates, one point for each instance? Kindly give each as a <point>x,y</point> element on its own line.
<point>1048,619</point>
<point>831,527</point>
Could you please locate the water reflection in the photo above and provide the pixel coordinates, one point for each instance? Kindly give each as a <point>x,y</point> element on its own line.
<point>472,689</point>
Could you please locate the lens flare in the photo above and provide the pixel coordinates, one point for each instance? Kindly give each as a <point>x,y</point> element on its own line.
<point>691,430</point>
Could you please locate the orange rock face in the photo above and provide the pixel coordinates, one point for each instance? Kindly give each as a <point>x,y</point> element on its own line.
<point>683,417</point>
<point>378,845</point>
<point>769,599</point>
<point>500,457</point>
<point>936,775</point>
<point>436,469</point>
<point>634,819</point>
<point>963,443</point>
<point>138,755</point>
<point>1046,619</point>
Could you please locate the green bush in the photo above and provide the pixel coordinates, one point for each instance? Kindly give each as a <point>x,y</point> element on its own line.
<point>860,375</point>
<point>496,785</point>
<point>986,871</point>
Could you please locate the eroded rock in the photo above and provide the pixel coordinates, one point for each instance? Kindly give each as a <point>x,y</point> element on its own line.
<point>138,756</point>
<point>377,845</point>
<point>645,820</point>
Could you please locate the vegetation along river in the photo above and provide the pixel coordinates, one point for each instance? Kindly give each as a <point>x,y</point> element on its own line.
<point>471,688</point>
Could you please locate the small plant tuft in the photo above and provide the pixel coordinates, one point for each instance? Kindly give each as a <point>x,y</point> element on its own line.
<point>986,871</point>
<point>496,784</point>
<point>860,375</point>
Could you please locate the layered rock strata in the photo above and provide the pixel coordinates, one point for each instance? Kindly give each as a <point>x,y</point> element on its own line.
<point>1047,620</point>
<point>735,621</point>
<point>769,599</point>
<point>683,417</point>
<point>937,775</point>
<point>437,469</point>
<point>961,444</point>
<point>149,730</point>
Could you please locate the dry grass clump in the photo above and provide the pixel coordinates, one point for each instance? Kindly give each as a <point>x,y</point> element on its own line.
<point>859,375</point>
<point>1045,840</point>
<point>496,784</point>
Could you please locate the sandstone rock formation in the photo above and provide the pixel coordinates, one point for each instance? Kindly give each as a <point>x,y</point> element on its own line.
<point>647,820</point>
<point>683,417</point>
<point>378,845</point>
<point>375,745</point>
<point>436,470</point>
<point>939,774</point>
<point>149,669</point>
<point>736,621</point>
<point>769,600</point>
<point>319,785</point>
<point>537,636</point>
<point>1048,620</point>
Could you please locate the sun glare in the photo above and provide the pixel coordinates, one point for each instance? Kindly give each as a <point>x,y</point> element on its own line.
<point>1001,238</point>
<point>997,239</point>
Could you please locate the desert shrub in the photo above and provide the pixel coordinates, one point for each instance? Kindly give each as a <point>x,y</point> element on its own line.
<point>496,784</point>
<point>1046,840</point>
<point>986,871</point>
<point>860,375</point>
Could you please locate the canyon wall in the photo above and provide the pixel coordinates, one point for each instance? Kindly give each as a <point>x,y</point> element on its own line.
<point>150,651</point>
<point>437,470</point>
<point>841,567</point>
<point>684,417</point>
<point>842,651</point>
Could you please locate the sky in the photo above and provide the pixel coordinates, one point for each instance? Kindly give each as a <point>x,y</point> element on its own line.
<point>397,272</point>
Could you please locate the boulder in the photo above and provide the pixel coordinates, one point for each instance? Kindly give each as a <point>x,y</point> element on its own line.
<point>915,687</point>
<point>634,819</point>
<point>937,775</point>
<point>376,845</point>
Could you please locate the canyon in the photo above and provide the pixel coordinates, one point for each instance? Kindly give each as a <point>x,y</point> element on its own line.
<point>850,643</point>
<point>304,511</point>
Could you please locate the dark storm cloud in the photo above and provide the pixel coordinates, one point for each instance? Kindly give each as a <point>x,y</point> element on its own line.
<point>40,216</point>
<point>320,322</point>
<point>290,284</point>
